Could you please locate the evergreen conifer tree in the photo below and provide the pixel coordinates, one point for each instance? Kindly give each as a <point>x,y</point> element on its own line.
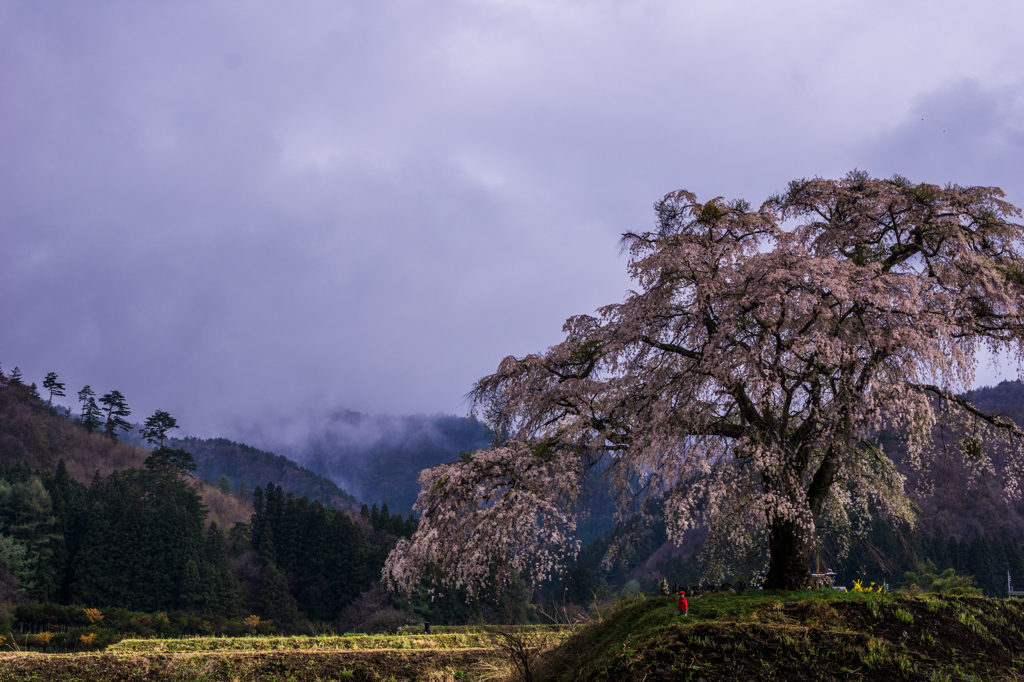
<point>274,602</point>
<point>55,387</point>
<point>156,427</point>
<point>68,499</point>
<point>26,515</point>
<point>116,410</point>
<point>90,414</point>
<point>194,596</point>
<point>258,520</point>
<point>275,509</point>
<point>168,461</point>
<point>92,567</point>
<point>227,593</point>
<point>92,418</point>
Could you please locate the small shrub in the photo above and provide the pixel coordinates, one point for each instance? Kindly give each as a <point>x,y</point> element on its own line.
<point>42,640</point>
<point>388,620</point>
<point>252,622</point>
<point>520,649</point>
<point>233,627</point>
<point>925,579</point>
<point>631,589</point>
<point>903,616</point>
<point>859,587</point>
<point>906,666</point>
<point>973,624</point>
<point>877,653</point>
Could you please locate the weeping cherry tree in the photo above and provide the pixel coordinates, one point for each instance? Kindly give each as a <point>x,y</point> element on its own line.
<point>746,382</point>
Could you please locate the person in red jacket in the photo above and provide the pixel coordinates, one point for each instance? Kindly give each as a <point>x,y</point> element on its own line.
<point>684,609</point>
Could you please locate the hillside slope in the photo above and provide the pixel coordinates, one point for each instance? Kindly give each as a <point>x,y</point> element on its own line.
<point>814,635</point>
<point>216,457</point>
<point>40,438</point>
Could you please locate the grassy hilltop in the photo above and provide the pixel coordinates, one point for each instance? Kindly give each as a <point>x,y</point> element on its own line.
<point>813,635</point>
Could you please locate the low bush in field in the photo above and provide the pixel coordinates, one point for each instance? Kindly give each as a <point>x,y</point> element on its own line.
<point>44,616</point>
<point>57,628</point>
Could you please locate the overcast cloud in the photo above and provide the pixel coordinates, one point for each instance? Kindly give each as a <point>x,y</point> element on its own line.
<point>236,209</point>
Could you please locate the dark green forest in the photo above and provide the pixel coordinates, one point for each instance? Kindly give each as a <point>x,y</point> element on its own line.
<point>136,541</point>
<point>141,539</point>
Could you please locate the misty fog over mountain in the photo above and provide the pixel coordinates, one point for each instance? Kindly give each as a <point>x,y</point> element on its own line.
<point>376,458</point>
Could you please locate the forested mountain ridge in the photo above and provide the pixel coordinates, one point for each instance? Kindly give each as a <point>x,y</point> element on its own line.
<point>1005,398</point>
<point>132,534</point>
<point>39,434</point>
<point>244,466</point>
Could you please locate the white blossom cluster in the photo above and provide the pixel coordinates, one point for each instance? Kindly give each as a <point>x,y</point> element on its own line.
<point>746,381</point>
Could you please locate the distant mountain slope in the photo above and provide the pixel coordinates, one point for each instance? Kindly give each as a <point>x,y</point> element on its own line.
<point>379,458</point>
<point>965,502</point>
<point>218,456</point>
<point>1005,398</point>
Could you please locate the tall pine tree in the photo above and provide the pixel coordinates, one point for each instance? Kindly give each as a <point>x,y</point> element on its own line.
<point>116,410</point>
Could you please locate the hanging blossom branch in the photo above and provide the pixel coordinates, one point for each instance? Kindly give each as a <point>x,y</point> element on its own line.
<point>995,420</point>
<point>506,508</point>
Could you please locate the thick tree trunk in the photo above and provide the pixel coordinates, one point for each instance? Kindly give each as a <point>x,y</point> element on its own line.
<point>789,565</point>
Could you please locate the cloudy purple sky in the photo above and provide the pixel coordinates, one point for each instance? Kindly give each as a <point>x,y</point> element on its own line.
<point>237,209</point>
